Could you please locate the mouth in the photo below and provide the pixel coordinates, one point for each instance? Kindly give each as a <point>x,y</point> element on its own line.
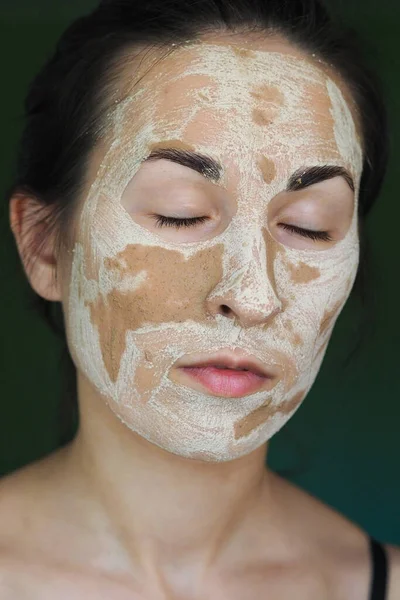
<point>228,375</point>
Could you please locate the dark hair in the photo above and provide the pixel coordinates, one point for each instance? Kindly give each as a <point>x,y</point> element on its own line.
<point>68,101</point>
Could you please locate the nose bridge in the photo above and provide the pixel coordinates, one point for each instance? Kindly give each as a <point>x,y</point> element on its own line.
<point>258,279</point>
<point>248,286</point>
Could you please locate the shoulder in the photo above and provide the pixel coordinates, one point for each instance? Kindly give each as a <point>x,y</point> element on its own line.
<point>42,549</point>
<point>28,502</point>
<point>393,553</point>
<point>338,547</point>
<point>17,503</point>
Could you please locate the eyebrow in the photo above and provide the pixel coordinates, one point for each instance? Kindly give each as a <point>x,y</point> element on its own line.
<point>303,178</point>
<point>212,169</point>
<point>205,165</point>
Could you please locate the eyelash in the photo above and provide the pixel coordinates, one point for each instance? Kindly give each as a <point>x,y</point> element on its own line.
<point>308,233</point>
<point>162,221</point>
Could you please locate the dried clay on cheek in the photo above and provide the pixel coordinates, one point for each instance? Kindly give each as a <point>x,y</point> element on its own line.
<point>303,273</point>
<point>138,303</point>
<point>329,316</point>
<point>121,311</point>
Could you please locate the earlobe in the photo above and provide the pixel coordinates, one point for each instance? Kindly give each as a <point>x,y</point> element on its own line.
<point>29,222</point>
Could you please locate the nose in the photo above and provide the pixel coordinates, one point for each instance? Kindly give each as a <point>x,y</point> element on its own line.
<point>247,290</point>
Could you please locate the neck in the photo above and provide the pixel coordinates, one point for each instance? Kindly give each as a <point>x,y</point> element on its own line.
<point>164,509</point>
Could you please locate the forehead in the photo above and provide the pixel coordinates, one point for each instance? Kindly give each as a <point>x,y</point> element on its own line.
<point>231,101</point>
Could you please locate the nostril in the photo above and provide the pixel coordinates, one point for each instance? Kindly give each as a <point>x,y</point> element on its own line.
<point>225,309</point>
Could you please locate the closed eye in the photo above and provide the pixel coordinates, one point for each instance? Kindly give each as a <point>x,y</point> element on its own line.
<point>307,233</point>
<point>162,221</point>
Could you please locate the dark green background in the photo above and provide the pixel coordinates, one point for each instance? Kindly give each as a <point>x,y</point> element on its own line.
<point>346,434</point>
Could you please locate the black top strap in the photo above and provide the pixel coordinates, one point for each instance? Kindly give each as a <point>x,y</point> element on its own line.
<point>379,579</point>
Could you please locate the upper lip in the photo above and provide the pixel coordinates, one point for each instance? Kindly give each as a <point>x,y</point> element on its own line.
<point>226,359</point>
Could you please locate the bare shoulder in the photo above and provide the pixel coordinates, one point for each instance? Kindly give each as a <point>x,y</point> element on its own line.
<point>18,501</point>
<point>341,547</point>
<point>44,552</point>
<point>22,493</point>
<point>23,497</point>
<point>393,553</point>
<point>35,509</point>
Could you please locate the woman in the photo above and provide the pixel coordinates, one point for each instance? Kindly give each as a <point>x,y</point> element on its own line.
<point>193,180</point>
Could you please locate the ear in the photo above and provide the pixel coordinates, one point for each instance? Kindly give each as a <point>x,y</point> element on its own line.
<point>29,221</point>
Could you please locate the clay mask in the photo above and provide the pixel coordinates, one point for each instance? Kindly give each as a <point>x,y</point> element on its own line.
<point>142,297</point>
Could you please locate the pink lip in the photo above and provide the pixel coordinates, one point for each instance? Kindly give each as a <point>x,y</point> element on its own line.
<point>226,382</point>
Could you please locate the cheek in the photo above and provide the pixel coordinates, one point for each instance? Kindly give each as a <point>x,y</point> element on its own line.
<point>331,312</point>
<point>170,289</point>
<point>314,296</point>
<point>303,273</point>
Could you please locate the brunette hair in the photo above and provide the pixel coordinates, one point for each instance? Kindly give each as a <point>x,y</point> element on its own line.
<point>67,103</point>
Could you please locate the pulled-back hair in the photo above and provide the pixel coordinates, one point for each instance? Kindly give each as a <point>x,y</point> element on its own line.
<point>68,100</point>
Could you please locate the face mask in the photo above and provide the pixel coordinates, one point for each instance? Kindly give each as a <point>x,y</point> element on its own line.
<point>144,297</point>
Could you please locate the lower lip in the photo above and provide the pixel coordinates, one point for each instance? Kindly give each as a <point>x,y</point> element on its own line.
<point>227,382</point>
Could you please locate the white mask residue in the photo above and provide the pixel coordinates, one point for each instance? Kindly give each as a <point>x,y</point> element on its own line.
<point>138,302</point>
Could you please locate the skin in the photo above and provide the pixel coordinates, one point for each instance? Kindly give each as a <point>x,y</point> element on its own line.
<point>142,509</point>
<point>142,298</point>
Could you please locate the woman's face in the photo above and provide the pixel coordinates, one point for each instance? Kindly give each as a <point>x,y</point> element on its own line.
<point>148,295</point>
